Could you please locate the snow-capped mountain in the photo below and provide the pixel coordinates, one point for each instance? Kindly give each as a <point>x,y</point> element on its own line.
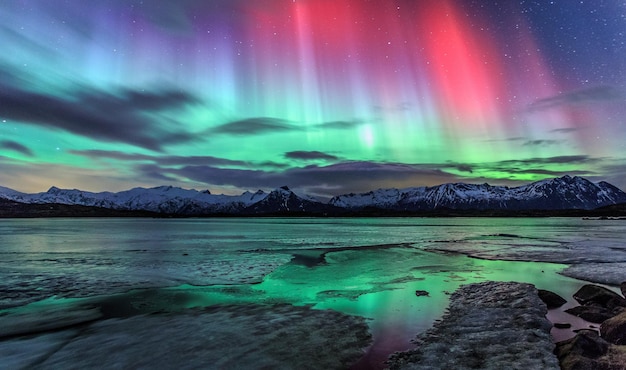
<point>162,199</point>
<point>551,194</point>
<point>283,200</point>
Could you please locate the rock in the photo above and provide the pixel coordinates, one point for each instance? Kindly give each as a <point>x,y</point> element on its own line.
<point>564,325</point>
<point>220,337</point>
<point>591,293</point>
<point>594,313</point>
<point>46,319</point>
<point>613,330</point>
<point>623,288</point>
<point>588,351</point>
<point>580,351</point>
<point>551,299</point>
<point>421,293</point>
<point>489,325</point>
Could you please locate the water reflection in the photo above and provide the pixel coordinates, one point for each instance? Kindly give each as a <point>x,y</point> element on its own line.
<point>366,267</point>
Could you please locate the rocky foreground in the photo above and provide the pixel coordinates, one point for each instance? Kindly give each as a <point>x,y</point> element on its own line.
<point>490,325</point>
<point>498,325</point>
<point>592,349</point>
<point>221,337</point>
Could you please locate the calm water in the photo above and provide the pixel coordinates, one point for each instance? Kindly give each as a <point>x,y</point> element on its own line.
<point>366,267</point>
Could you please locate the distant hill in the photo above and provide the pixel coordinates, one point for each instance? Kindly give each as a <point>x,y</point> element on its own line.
<point>563,196</point>
<point>9,208</point>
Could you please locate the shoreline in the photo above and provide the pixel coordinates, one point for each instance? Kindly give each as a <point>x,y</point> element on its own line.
<point>377,281</point>
<point>496,325</point>
<point>489,325</point>
<point>474,309</point>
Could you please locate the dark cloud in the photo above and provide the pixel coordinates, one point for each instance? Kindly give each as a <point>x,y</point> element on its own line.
<point>360,176</point>
<point>168,160</point>
<point>540,171</point>
<point>271,164</point>
<point>401,107</point>
<point>242,178</point>
<point>593,94</point>
<point>563,159</point>
<point>111,154</point>
<point>155,172</point>
<point>540,142</point>
<point>464,168</point>
<point>310,155</point>
<point>517,138</point>
<point>541,166</point>
<point>565,130</point>
<point>509,170</point>
<point>254,126</point>
<point>339,124</point>
<point>614,172</point>
<point>128,116</point>
<point>16,147</point>
<point>336,179</point>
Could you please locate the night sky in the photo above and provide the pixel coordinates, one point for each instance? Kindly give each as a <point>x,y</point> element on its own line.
<point>324,96</point>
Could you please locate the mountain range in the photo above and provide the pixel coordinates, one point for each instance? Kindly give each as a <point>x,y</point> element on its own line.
<point>557,194</point>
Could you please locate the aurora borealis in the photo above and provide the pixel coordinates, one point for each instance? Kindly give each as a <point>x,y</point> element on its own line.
<point>325,96</point>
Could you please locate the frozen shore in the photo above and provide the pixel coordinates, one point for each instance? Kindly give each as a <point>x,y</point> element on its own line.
<point>224,337</point>
<point>490,325</point>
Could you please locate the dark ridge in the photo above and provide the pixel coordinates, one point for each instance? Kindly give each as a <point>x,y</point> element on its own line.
<point>11,209</point>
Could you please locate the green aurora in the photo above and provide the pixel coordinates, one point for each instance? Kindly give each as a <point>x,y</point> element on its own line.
<point>326,97</point>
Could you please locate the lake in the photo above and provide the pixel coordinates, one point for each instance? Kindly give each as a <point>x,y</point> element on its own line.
<point>370,267</point>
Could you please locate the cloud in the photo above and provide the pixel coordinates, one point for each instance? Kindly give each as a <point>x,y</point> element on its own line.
<point>339,124</point>
<point>254,126</point>
<point>464,168</point>
<point>167,160</point>
<point>400,107</point>
<point>540,142</point>
<point>593,94</point>
<point>310,155</point>
<point>16,147</point>
<point>39,176</point>
<point>565,130</point>
<point>265,125</point>
<point>509,172</point>
<point>549,166</point>
<point>126,116</point>
<point>563,159</point>
<point>325,181</point>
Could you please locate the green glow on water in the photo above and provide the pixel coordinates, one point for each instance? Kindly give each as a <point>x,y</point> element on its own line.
<point>378,284</point>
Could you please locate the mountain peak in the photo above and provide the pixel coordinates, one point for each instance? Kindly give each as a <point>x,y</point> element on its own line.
<point>564,192</point>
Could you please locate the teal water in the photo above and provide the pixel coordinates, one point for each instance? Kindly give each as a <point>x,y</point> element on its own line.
<point>365,267</point>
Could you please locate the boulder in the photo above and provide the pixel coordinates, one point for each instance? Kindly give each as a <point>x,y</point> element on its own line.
<point>623,288</point>
<point>591,313</point>
<point>613,330</point>
<point>490,325</point>
<point>551,299</point>
<point>591,293</point>
<point>243,336</point>
<point>581,351</point>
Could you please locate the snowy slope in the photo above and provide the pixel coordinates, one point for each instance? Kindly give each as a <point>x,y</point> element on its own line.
<point>283,200</point>
<point>551,194</point>
<point>164,199</point>
<point>559,193</point>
